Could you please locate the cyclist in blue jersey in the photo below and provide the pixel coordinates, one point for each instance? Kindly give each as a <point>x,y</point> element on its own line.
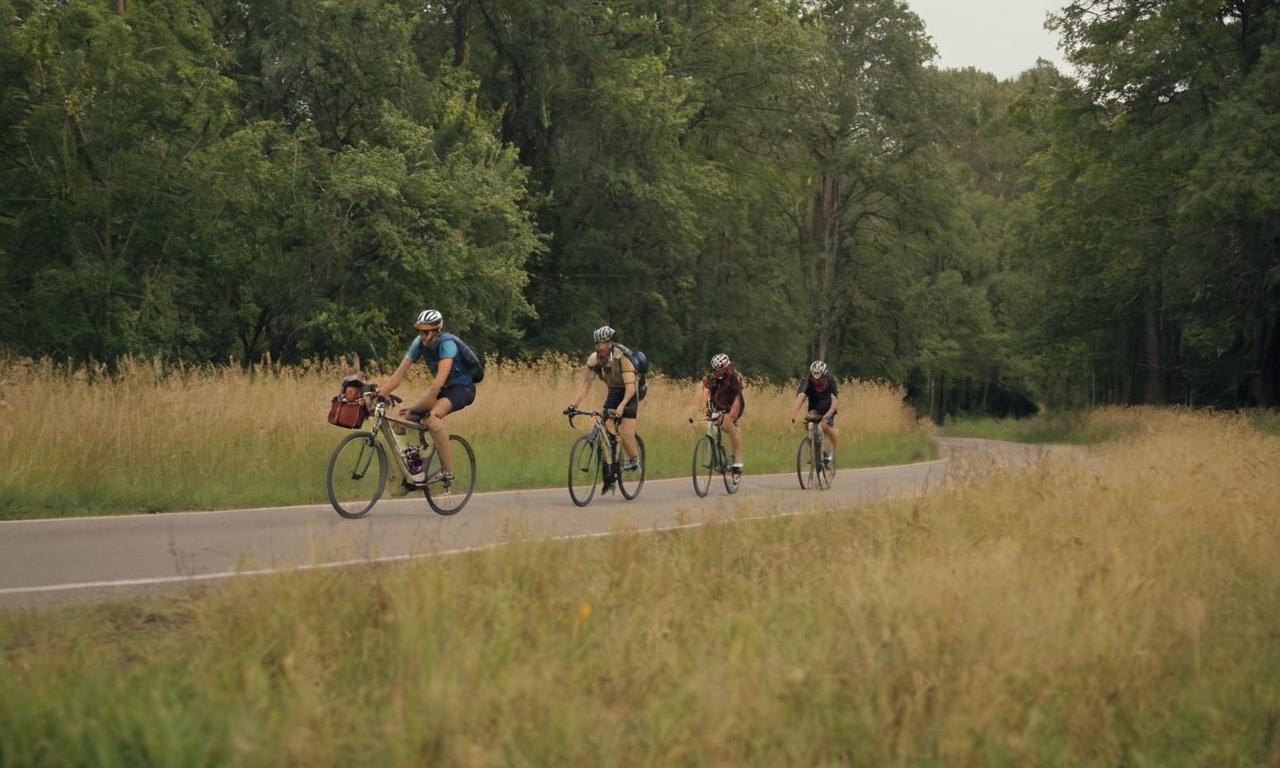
<point>451,387</point>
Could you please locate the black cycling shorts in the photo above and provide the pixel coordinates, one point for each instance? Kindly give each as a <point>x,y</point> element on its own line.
<point>615,396</point>
<point>459,395</point>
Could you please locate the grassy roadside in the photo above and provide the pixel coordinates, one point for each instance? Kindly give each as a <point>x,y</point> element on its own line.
<point>154,439</point>
<point>1094,427</point>
<point>1267,422</point>
<point>1070,427</point>
<point>1121,611</point>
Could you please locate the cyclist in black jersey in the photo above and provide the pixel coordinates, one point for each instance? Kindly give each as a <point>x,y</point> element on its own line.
<point>819,391</point>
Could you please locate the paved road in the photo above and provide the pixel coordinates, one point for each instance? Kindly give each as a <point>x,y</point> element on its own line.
<point>88,559</point>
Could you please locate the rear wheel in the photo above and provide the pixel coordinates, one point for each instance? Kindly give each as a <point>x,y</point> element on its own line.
<point>806,472</point>
<point>630,482</point>
<point>826,469</point>
<point>357,474</point>
<point>584,470</point>
<point>449,498</point>
<point>732,477</point>
<point>703,465</point>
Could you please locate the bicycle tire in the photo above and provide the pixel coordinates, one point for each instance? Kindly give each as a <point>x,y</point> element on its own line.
<point>349,490</point>
<point>450,499</point>
<point>631,483</point>
<point>804,463</point>
<point>703,464</point>
<point>584,467</point>
<point>822,474</point>
<point>732,478</point>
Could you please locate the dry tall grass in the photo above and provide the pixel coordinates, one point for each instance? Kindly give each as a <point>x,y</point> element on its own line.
<point>1116,610</point>
<point>160,438</point>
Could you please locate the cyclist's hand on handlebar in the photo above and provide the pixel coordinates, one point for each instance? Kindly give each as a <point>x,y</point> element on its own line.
<point>570,409</point>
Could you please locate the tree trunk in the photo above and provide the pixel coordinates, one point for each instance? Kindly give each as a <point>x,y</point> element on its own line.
<point>827,236</point>
<point>1268,378</point>
<point>936,413</point>
<point>461,31</point>
<point>1151,317</point>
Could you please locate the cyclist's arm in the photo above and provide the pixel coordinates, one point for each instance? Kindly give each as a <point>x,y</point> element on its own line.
<point>585,386</point>
<point>397,378</point>
<point>832,410</point>
<point>735,410</point>
<point>800,398</point>
<point>628,384</point>
<point>442,375</point>
<point>703,397</point>
<point>627,393</point>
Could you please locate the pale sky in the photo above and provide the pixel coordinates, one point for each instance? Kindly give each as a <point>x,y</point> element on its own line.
<point>1003,37</point>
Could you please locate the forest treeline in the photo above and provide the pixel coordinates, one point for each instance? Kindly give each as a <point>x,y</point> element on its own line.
<point>214,180</point>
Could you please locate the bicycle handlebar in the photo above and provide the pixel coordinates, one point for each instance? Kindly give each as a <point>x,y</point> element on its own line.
<point>572,412</point>
<point>371,390</point>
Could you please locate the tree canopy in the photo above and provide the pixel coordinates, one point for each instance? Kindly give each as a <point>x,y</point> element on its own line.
<point>209,180</point>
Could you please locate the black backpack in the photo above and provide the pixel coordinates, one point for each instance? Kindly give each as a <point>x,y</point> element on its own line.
<point>475,366</point>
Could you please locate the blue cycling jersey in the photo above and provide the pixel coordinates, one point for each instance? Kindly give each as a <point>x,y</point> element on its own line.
<point>446,349</point>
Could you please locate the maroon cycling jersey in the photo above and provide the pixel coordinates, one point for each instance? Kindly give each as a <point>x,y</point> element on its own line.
<point>724,390</point>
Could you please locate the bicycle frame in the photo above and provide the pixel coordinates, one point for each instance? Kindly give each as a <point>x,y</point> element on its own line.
<point>820,472</point>
<point>598,430</point>
<point>719,455</point>
<point>365,451</point>
<point>604,459</point>
<point>384,424</point>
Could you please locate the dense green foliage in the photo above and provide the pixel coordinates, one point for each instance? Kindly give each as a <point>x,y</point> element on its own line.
<point>211,180</point>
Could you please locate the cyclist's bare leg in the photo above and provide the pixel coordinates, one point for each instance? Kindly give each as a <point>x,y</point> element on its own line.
<point>440,435</point>
<point>729,423</point>
<point>830,433</point>
<point>628,434</point>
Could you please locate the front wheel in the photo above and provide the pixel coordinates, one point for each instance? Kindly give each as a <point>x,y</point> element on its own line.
<point>449,498</point>
<point>584,470</point>
<point>806,472</point>
<point>357,474</point>
<point>630,482</point>
<point>703,465</point>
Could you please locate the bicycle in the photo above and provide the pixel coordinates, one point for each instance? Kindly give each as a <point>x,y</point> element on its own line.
<point>813,469</point>
<point>355,485</point>
<point>598,452</point>
<point>710,456</point>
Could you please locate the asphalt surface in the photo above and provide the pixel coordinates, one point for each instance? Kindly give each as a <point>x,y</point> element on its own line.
<point>77,560</point>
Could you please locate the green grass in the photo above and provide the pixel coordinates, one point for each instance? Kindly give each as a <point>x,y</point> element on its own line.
<point>1267,422</point>
<point>288,470</point>
<point>511,463</point>
<point>1120,613</point>
<point>156,439</point>
<point>1075,428</point>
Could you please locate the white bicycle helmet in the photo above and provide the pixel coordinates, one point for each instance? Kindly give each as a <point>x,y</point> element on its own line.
<point>430,317</point>
<point>720,362</point>
<point>818,369</point>
<point>603,333</point>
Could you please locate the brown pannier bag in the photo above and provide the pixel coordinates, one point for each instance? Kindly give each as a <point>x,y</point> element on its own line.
<point>348,412</point>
